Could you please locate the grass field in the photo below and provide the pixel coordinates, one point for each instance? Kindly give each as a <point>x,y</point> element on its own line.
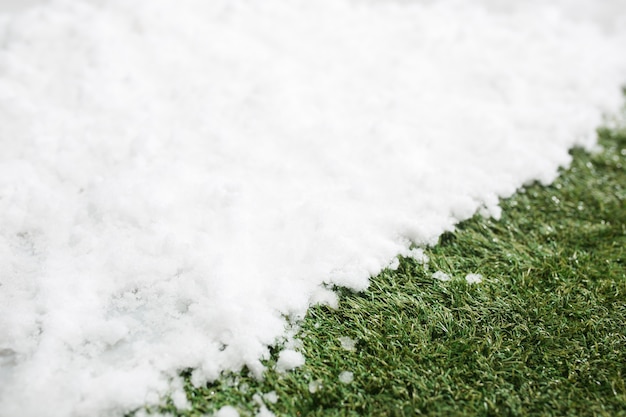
<point>544,333</point>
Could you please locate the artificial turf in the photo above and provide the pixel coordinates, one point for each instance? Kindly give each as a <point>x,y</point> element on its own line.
<point>544,333</point>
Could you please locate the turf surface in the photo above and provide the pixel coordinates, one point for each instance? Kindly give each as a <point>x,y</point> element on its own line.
<point>544,333</point>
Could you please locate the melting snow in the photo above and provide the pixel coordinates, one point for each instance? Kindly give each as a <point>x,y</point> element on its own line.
<point>179,179</point>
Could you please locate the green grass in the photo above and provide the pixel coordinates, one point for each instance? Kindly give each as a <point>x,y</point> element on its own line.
<point>543,334</point>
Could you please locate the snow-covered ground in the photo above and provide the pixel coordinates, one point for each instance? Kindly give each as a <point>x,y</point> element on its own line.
<point>178,176</point>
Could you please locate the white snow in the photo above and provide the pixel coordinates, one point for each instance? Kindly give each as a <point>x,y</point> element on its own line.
<point>346,377</point>
<point>227,411</point>
<point>394,264</point>
<point>178,179</point>
<point>474,278</point>
<point>315,386</point>
<point>418,255</point>
<point>289,359</point>
<point>441,276</point>
<point>270,397</point>
<point>264,412</point>
<point>347,343</point>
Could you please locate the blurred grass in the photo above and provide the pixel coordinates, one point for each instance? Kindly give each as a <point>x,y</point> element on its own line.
<point>543,334</point>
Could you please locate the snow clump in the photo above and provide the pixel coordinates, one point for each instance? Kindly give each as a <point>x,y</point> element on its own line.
<point>227,411</point>
<point>474,278</point>
<point>441,276</point>
<point>288,360</point>
<point>347,343</point>
<point>346,377</point>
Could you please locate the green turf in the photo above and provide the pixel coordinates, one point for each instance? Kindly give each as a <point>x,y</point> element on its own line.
<point>543,334</point>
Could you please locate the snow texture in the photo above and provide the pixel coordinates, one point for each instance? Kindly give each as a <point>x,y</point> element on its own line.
<point>178,179</point>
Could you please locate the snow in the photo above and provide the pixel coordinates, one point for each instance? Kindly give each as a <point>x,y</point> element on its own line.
<point>227,411</point>
<point>418,255</point>
<point>289,359</point>
<point>270,397</point>
<point>441,276</point>
<point>179,180</point>
<point>347,343</point>
<point>315,386</point>
<point>346,377</point>
<point>264,412</point>
<point>474,278</point>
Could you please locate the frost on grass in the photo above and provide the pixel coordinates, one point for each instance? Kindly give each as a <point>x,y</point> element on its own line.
<point>177,178</point>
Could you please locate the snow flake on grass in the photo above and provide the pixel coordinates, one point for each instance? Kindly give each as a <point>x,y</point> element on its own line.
<point>315,386</point>
<point>441,276</point>
<point>270,397</point>
<point>346,377</point>
<point>474,278</point>
<point>347,343</point>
